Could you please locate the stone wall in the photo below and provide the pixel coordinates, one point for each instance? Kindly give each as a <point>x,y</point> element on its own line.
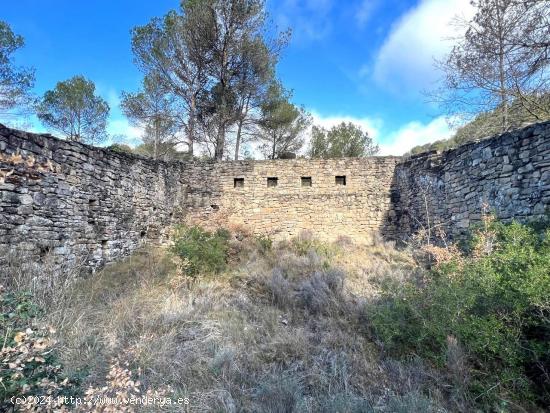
<point>96,205</point>
<point>328,208</point>
<point>509,174</point>
<point>80,202</point>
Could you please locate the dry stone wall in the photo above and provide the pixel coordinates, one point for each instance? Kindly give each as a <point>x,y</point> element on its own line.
<point>508,174</point>
<point>81,203</point>
<point>96,205</point>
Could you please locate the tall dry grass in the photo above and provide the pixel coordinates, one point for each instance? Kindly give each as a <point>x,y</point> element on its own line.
<point>281,330</point>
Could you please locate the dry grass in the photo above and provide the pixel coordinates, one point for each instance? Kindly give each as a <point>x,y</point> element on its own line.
<point>280,331</point>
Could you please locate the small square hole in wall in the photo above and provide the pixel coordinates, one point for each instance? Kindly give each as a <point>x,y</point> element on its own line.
<point>340,180</point>
<point>271,182</point>
<point>238,183</point>
<point>306,181</point>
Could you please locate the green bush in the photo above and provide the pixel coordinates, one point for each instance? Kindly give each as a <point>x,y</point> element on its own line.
<point>495,304</point>
<point>304,243</point>
<point>201,251</point>
<point>264,243</point>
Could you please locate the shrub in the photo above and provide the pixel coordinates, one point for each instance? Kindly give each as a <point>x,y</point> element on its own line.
<point>494,303</point>
<point>280,288</point>
<point>264,243</point>
<point>201,251</point>
<point>28,361</point>
<point>304,243</point>
<point>320,292</point>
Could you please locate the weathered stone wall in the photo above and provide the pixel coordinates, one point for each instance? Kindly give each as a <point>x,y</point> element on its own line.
<point>80,202</point>
<point>357,209</point>
<point>94,204</point>
<point>509,173</point>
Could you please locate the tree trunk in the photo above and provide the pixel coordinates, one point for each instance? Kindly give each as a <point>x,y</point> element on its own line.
<point>502,78</point>
<point>191,126</point>
<point>243,113</point>
<point>274,145</point>
<point>238,140</point>
<point>220,140</point>
<point>155,142</point>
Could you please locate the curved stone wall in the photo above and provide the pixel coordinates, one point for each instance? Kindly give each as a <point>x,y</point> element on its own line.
<point>95,205</point>
<point>508,174</point>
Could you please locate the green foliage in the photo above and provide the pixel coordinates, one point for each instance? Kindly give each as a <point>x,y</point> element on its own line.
<point>495,302</point>
<point>154,109</point>
<point>120,148</point>
<point>28,363</point>
<point>343,140</point>
<point>265,244</point>
<point>282,123</point>
<point>201,251</point>
<point>15,82</point>
<point>17,309</point>
<point>74,109</point>
<point>215,58</point>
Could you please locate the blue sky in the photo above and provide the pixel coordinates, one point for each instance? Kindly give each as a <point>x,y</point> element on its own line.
<point>365,61</point>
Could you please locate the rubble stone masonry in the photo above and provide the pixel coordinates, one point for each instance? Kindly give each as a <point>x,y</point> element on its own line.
<point>509,175</point>
<point>92,204</point>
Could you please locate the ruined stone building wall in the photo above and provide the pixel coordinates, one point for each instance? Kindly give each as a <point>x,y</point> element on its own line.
<point>509,173</point>
<point>96,205</point>
<point>310,195</point>
<point>80,202</point>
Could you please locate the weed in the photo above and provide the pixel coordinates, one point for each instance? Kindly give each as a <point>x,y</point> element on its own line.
<point>201,251</point>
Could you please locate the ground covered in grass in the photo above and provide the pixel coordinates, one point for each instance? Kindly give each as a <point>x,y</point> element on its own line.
<point>229,322</point>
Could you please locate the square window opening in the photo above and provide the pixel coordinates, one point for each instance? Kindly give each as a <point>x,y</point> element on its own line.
<point>340,180</point>
<point>272,182</point>
<point>238,183</point>
<point>306,181</point>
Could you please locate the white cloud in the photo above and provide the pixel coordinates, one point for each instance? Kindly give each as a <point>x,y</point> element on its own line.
<point>121,128</point>
<point>371,125</point>
<point>365,11</point>
<point>414,134</point>
<point>308,19</point>
<point>405,62</point>
<point>113,99</point>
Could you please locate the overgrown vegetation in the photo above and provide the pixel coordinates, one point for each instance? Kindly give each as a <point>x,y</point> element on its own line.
<point>483,316</point>
<point>232,322</point>
<point>343,140</point>
<point>28,359</point>
<point>201,251</point>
